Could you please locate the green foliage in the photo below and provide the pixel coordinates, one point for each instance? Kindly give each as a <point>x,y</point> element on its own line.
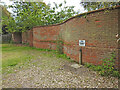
<point>5,13</point>
<point>29,14</point>
<point>90,6</point>
<point>61,56</point>
<point>107,67</point>
<point>11,42</point>
<point>26,44</point>
<point>59,46</point>
<point>88,65</point>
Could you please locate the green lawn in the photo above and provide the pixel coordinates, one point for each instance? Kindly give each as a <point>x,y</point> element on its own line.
<point>13,56</point>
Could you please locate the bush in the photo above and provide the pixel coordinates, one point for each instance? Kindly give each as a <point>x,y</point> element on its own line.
<point>88,65</point>
<point>107,67</point>
<point>98,68</point>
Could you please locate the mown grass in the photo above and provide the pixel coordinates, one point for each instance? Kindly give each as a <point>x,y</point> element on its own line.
<point>14,57</point>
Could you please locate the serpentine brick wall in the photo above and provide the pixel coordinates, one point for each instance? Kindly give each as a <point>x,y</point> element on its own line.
<point>98,29</point>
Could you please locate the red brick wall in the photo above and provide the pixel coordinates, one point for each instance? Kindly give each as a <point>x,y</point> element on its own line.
<point>24,37</point>
<point>17,37</point>
<point>98,29</point>
<point>45,37</point>
<point>27,37</point>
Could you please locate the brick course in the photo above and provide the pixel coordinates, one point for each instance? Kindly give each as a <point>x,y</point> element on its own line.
<point>98,29</point>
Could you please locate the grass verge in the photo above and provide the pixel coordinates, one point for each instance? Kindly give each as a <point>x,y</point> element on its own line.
<point>14,56</point>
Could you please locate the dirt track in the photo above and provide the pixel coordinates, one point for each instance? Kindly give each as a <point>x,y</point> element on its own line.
<point>52,72</point>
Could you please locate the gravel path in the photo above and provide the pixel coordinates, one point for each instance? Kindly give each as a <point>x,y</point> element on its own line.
<point>52,72</point>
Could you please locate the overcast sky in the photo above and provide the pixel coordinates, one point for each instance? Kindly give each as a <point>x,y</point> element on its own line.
<point>75,3</point>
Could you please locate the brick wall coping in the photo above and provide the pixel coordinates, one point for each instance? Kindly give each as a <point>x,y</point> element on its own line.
<point>82,14</point>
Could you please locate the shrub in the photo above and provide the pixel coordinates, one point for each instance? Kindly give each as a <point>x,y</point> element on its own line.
<point>107,67</point>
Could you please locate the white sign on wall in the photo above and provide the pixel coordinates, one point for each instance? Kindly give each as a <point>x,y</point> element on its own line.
<point>81,42</point>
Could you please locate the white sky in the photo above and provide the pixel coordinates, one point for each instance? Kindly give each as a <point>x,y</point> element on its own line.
<point>75,3</point>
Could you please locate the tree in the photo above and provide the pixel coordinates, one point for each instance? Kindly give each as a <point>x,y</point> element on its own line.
<point>90,6</point>
<point>4,13</point>
<point>29,14</point>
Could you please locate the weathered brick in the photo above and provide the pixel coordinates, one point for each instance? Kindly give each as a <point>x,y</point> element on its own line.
<point>98,29</point>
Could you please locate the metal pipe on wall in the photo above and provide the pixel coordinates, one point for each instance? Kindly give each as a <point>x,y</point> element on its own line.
<point>80,56</point>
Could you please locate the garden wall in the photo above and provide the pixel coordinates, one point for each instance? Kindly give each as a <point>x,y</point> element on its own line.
<point>17,37</point>
<point>45,36</point>
<point>98,29</point>
<point>27,37</point>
